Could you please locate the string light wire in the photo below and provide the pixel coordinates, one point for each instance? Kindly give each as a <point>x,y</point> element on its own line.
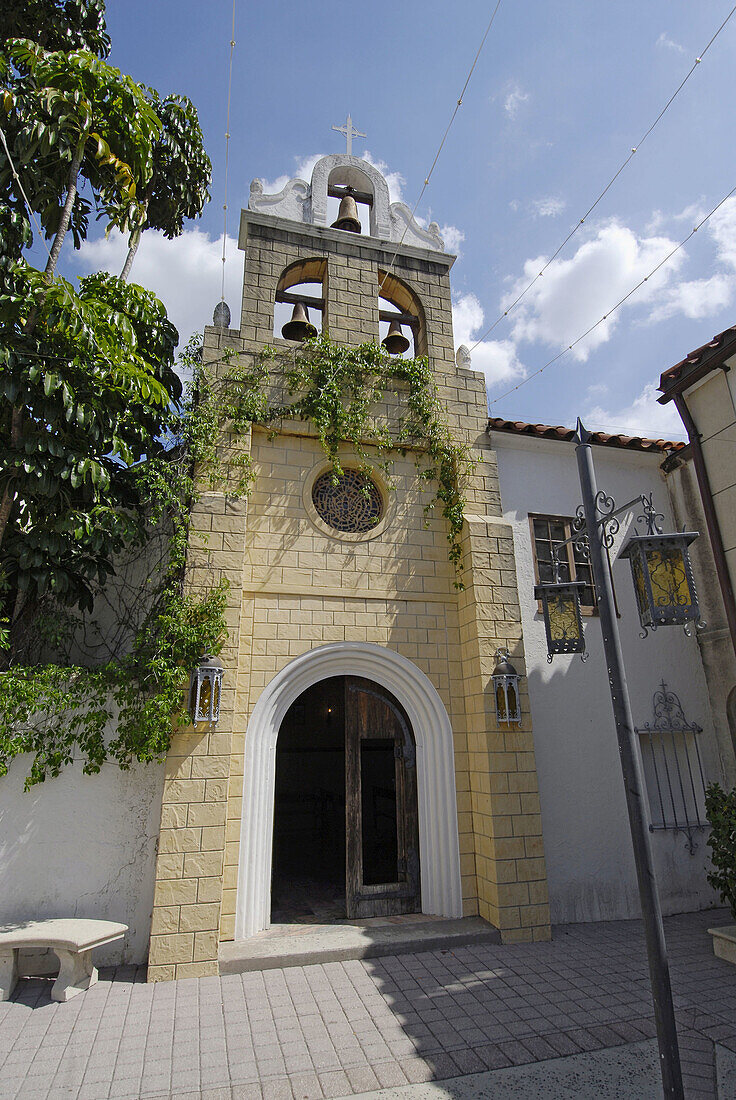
<point>619,303</point>
<point>227,150</point>
<point>609,185</point>
<point>428,177</point>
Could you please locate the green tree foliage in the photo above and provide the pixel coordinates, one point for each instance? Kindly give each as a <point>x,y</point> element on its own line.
<point>66,115</point>
<point>95,382</point>
<point>720,808</point>
<point>57,24</point>
<point>181,173</point>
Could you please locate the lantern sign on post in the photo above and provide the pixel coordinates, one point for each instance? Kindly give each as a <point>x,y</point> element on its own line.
<point>662,574</point>
<point>506,690</point>
<point>205,689</point>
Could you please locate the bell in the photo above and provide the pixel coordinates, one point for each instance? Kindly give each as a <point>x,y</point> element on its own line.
<point>395,343</point>
<point>299,327</point>
<point>347,216</point>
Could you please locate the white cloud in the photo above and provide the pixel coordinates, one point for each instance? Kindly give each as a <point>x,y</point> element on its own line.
<point>696,299</point>
<point>574,294</point>
<point>644,416</point>
<point>514,101</point>
<point>669,43</point>
<point>497,359</point>
<point>185,273</point>
<point>549,207</point>
<point>722,227</point>
<point>452,237</point>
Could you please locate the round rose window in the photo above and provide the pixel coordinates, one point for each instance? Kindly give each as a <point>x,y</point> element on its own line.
<point>353,504</point>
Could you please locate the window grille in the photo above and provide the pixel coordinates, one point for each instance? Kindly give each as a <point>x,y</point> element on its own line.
<point>350,503</point>
<point>548,534</point>
<point>673,769</point>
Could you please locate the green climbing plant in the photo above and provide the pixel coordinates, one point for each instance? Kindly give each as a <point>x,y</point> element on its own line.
<point>341,392</point>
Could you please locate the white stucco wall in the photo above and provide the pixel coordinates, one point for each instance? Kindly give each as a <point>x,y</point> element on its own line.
<point>587,843</point>
<point>84,846</point>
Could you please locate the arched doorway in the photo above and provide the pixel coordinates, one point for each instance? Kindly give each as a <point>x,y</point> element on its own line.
<point>345,837</point>
<point>441,892</point>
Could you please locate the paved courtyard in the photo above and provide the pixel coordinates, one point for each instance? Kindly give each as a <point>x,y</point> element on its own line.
<point>341,1029</point>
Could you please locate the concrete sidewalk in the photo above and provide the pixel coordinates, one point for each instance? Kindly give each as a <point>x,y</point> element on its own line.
<point>568,1018</point>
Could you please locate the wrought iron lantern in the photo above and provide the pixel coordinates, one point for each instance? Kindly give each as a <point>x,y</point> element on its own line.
<point>563,621</point>
<point>662,574</point>
<point>205,689</point>
<point>506,690</point>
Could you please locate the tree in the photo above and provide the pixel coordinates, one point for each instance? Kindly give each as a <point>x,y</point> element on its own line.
<point>180,176</point>
<point>58,24</point>
<point>96,383</point>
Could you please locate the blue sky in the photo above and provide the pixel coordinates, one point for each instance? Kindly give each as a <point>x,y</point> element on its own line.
<point>560,94</point>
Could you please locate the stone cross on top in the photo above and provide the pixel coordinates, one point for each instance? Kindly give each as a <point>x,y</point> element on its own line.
<point>349,132</point>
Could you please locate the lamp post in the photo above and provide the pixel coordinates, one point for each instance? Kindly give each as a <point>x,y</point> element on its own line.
<point>665,595</point>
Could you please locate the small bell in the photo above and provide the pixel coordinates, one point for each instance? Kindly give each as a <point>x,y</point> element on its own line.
<point>395,343</point>
<point>299,327</point>
<point>347,217</point>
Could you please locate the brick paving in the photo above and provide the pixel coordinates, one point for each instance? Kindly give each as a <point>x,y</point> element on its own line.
<point>340,1029</point>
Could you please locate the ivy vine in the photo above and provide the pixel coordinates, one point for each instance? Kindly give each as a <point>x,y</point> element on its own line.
<point>62,706</point>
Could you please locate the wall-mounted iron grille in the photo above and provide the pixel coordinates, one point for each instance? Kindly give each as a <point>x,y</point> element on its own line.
<point>352,503</point>
<point>673,768</point>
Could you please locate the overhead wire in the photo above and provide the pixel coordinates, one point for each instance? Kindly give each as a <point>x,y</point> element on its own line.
<point>609,185</point>
<point>227,149</point>
<point>428,177</point>
<point>618,304</point>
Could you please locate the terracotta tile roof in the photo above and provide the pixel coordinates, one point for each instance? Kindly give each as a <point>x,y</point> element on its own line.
<point>708,357</point>
<point>546,431</point>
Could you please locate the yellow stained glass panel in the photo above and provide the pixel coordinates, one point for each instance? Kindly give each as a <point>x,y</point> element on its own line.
<point>563,620</point>
<point>668,577</point>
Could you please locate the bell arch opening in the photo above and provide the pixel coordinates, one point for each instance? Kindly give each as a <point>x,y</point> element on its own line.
<point>400,305</point>
<point>347,181</point>
<point>299,301</point>
<point>437,827</point>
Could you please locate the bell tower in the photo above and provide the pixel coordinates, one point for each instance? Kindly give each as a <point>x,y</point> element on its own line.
<point>332,584</point>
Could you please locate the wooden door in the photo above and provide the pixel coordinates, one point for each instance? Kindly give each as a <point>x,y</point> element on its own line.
<point>382,834</point>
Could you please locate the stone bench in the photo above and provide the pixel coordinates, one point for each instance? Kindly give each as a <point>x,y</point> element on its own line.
<point>71,939</point>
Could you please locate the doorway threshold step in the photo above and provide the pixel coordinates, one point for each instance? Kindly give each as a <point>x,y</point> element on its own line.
<point>285,945</point>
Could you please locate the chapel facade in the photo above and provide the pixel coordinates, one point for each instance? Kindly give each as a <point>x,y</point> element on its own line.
<point>358,768</point>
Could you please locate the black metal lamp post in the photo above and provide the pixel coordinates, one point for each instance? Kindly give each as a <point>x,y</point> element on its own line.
<point>665,594</point>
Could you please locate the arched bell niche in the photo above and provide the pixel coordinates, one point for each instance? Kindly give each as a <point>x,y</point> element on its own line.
<point>303,281</point>
<point>398,302</point>
<point>330,177</point>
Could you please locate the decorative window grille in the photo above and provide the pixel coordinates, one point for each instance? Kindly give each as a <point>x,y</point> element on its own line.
<point>352,504</point>
<point>673,769</point>
<point>548,534</point>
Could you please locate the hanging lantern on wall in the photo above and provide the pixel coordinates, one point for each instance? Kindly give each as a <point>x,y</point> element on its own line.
<point>663,578</point>
<point>563,621</point>
<point>506,690</point>
<point>205,686</point>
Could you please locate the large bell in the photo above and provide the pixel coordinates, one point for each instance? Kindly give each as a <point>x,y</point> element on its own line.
<point>395,343</point>
<point>347,215</point>
<point>299,327</point>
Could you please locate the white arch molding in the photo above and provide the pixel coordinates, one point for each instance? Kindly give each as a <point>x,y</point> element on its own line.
<point>439,852</point>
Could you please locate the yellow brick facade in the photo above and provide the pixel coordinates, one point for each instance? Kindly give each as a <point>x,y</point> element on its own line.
<point>294,587</point>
